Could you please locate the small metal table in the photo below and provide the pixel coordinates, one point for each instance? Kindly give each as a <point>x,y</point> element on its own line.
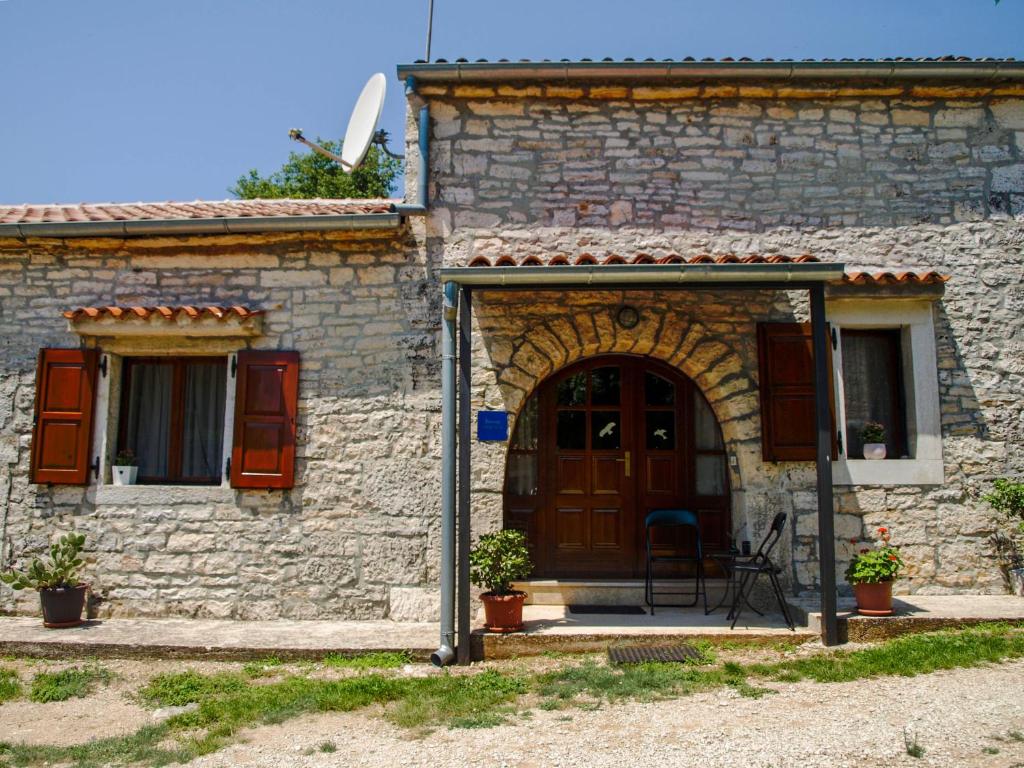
<point>726,561</point>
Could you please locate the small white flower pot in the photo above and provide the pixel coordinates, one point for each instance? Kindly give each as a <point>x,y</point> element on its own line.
<point>125,475</point>
<point>874,451</point>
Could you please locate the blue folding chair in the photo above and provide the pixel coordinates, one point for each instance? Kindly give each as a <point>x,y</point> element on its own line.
<point>678,518</point>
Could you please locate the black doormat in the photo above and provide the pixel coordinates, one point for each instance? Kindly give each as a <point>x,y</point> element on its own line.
<point>620,610</point>
<point>636,654</point>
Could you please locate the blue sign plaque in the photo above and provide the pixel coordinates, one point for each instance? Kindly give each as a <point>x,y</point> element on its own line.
<point>492,425</point>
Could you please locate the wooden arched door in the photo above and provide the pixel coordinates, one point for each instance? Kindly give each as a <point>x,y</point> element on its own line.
<point>599,445</point>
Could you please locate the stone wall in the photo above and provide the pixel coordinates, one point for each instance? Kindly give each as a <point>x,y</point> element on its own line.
<point>883,178</point>
<point>877,178</point>
<point>356,536</point>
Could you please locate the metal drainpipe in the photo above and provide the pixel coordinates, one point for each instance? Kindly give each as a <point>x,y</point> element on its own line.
<point>419,208</point>
<point>445,654</point>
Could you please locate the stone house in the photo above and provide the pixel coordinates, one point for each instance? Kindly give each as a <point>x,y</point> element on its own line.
<point>642,258</point>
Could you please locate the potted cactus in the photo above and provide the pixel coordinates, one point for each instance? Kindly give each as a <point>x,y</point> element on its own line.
<point>61,593</point>
<point>496,561</point>
<point>126,468</point>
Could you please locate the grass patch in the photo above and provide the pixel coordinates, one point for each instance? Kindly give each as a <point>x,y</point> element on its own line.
<point>463,701</point>
<point>376,660</point>
<point>10,685</point>
<point>905,656</point>
<point>261,667</point>
<point>180,688</point>
<point>76,682</point>
<point>328,746</point>
<point>911,744</point>
<point>231,702</point>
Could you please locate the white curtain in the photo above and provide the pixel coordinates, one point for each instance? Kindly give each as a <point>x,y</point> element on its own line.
<point>149,417</point>
<point>202,441</point>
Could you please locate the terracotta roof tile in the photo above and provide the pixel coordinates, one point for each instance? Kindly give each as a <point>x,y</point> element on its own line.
<point>894,278</point>
<point>198,209</point>
<point>587,259</point>
<point>167,313</point>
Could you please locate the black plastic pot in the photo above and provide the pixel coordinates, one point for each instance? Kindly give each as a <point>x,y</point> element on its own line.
<point>62,606</point>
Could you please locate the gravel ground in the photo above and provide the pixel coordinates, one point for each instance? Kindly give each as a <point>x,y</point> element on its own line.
<point>955,715</point>
<point>111,710</point>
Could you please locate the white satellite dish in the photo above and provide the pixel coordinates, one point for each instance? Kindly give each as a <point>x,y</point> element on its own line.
<point>362,127</point>
<point>363,122</point>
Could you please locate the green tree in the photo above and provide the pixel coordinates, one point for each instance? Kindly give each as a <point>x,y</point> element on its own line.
<point>308,174</point>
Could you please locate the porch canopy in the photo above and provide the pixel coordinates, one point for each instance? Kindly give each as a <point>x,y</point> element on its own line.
<point>583,273</point>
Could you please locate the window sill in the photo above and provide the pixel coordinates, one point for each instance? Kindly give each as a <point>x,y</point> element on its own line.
<point>163,495</point>
<point>887,472</point>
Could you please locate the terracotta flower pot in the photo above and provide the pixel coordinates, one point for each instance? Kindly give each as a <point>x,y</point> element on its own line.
<point>874,599</point>
<point>503,613</point>
<point>62,607</point>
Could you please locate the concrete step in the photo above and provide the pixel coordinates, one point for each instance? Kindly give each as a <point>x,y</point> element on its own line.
<point>609,592</point>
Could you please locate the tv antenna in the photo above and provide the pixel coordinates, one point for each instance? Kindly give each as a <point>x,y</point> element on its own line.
<point>362,129</point>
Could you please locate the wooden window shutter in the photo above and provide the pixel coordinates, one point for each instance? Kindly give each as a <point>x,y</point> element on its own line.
<point>786,357</point>
<point>266,401</point>
<point>65,400</point>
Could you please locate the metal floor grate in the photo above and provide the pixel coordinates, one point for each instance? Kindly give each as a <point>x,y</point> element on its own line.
<point>636,654</point>
<point>619,610</point>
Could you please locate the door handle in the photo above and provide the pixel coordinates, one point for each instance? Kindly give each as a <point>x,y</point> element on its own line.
<point>627,462</point>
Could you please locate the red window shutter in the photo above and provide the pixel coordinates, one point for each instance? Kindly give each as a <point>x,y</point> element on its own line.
<point>65,397</point>
<point>788,423</point>
<point>266,401</point>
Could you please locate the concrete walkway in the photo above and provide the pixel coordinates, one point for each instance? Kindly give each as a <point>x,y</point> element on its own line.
<point>214,638</point>
<point>548,627</point>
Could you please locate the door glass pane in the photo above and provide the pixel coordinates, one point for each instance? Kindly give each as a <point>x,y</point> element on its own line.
<point>604,386</point>
<point>147,433</point>
<point>605,430</point>
<point>524,436</point>
<point>658,391</point>
<point>707,436</point>
<point>871,384</point>
<point>660,429</point>
<point>522,474</point>
<point>573,390</point>
<point>571,430</point>
<point>710,475</point>
<point>202,440</point>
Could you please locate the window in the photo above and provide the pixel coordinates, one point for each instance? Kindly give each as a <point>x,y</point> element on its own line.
<point>172,418</point>
<point>873,389</point>
<point>885,370</point>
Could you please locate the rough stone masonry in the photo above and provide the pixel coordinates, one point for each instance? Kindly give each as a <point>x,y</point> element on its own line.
<point>887,177</point>
<point>879,177</point>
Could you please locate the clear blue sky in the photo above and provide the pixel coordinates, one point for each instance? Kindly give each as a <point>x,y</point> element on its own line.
<point>122,100</point>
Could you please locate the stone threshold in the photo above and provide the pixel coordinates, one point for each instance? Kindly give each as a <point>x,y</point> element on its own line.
<point>214,639</point>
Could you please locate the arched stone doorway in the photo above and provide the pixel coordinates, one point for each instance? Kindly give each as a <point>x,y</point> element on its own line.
<point>597,446</point>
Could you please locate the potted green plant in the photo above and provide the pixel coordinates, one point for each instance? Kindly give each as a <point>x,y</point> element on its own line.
<point>1007,497</point>
<point>61,594</point>
<point>871,574</point>
<point>873,437</point>
<point>495,562</point>
<point>126,468</point>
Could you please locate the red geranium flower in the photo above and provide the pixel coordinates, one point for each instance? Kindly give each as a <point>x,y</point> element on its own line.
<point>883,530</point>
